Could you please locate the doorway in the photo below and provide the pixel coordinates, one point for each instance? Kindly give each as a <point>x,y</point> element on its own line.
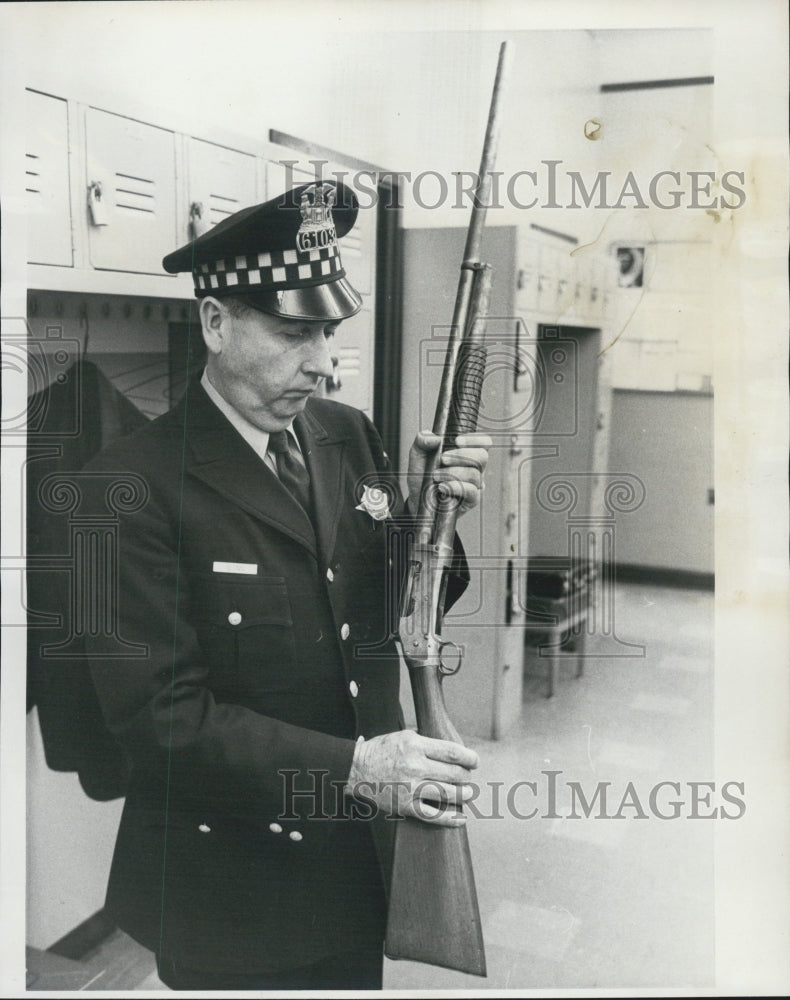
<point>565,428</point>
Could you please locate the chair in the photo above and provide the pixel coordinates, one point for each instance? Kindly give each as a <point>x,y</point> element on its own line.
<point>557,607</point>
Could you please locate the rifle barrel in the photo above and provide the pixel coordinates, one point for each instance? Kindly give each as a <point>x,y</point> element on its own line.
<point>488,158</point>
<point>433,911</point>
<point>468,267</point>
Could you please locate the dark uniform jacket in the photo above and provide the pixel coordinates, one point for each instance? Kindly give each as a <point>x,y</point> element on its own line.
<point>246,686</point>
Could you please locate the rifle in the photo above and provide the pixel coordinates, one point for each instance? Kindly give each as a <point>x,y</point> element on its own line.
<point>433,912</point>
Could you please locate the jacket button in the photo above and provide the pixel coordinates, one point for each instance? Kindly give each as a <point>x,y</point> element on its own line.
<point>353,687</point>
<point>204,828</point>
<point>345,631</point>
<point>275,828</point>
<point>295,835</point>
<point>234,618</point>
<point>330,575</point>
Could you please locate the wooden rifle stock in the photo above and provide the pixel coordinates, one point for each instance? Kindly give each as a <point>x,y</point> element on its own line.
<point>433,911</point>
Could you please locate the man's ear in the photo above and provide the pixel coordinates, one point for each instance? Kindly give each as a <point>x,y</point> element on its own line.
<point>215,322</point>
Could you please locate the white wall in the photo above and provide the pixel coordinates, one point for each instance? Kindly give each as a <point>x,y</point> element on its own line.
<point>70,841</point>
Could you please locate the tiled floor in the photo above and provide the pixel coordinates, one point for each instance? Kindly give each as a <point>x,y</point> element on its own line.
<point>602,902</point>
<point>568,900</point>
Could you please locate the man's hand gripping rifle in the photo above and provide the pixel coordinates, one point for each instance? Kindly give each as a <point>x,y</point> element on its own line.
<point>433,912</point>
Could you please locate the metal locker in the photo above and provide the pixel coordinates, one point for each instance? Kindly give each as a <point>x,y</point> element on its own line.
<point>352,382</point>
<point>221,182</point>
<point>359,251</point>
<point>131,193</point>
<point>355,339</point>
<point>47,181</point>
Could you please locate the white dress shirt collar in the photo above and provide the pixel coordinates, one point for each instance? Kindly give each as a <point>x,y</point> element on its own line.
<point>257,439</point>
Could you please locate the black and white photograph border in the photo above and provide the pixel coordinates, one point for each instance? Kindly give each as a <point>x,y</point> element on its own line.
<point>625,633</point>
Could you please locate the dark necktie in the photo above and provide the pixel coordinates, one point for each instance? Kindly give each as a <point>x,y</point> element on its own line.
<point>290,470</point>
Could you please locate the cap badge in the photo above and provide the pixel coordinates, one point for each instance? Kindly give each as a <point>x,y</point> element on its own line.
<point>317,228</point>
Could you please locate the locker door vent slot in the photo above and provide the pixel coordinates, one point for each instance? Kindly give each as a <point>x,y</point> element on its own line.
<point>136,194</point>
<point>349,361</point>
<point>220,206</point>
<point>33,182</point>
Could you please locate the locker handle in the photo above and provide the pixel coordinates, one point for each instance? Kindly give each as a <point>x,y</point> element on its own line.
<point>334,383</point>
<point>97,208</point>
<point>197,223</point>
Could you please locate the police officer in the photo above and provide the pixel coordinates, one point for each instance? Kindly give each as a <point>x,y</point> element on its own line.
<point>260,690</point>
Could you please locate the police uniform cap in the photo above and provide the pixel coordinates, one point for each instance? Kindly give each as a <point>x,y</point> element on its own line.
<point>280,257</point>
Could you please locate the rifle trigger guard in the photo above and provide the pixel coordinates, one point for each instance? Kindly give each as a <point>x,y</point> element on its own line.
<point>444,668</point>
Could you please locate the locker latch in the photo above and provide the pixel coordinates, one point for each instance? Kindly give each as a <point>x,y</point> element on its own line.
<point>96,205</point>
<point>197,223</point>
<point>333,383</point>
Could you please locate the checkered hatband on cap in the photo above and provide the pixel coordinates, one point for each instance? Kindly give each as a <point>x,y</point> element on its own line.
<point>273,269</point>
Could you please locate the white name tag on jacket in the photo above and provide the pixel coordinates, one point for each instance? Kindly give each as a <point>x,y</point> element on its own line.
<point>248,569</point>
